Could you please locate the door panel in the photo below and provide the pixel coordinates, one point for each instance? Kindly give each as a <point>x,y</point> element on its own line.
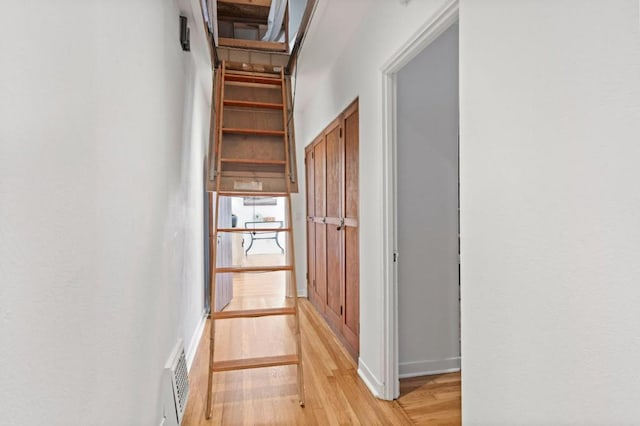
<point>352,288</point>
<point>320,229</point>
<point>310,174</point>
<point>351,153</point>
<point>334,236</point>
<point>319,180</point>
<point>352,252</point>
<point>321,265</point>
<point>334,275</point>
<point>311,242</point>
<point>334,175</point>
<point>311,262</point>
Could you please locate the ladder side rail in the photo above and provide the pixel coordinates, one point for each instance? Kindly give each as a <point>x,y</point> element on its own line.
<point>209,407</point>
<point>293,171</point>
<point>292,258</point>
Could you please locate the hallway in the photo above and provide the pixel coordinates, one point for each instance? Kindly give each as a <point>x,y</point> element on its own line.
<point>106,143</point>
<point>334,392</point>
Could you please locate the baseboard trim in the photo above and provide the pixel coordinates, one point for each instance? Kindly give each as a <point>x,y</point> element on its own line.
<point>429,367</point>
<point>195,340</point>
<point>369,379</point>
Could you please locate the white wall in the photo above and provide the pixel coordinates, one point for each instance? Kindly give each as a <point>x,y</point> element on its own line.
<point>427,217</point>
<point>550,124</point>
<point>197,79</point>
<point>101,149</point>
<point>322,95</point>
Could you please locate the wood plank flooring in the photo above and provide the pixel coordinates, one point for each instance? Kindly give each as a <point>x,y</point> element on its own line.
<point>334,392</point>
<point>432,400</point>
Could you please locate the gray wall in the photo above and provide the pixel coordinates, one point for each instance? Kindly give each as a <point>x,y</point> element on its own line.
<point>428,278</point>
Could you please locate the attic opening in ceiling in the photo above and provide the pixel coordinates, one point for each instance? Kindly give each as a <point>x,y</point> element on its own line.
<point>254,24</point>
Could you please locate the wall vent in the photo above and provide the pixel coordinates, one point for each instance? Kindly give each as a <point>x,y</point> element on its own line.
<point>177,369</point>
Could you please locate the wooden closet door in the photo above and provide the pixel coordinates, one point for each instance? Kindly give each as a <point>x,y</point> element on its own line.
<point>335,252</point>
<point>351,328</point>
<point>332,227</point>
<point>320,228</point>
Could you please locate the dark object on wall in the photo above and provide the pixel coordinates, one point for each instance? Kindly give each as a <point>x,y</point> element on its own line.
<point>234,220</point>
<point>184,34</point>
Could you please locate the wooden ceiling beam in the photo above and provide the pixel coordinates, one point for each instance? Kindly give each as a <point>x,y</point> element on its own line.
<point>242,20</point>
<point>259,3</point>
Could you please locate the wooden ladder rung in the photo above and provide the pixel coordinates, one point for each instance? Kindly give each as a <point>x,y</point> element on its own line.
<point>252,104</point>
<point>252,230</point>
<point>263,73</point>
<point>243,364</point>
<point>267,46</point>
<point>260,132</point>
<point>253,79</point>
<point>254,85</point>
<point>254,313</point>
<point>252,161</point>
<point>227,269</point>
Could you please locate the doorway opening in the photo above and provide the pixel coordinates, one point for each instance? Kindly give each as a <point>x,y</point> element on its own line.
<point>421,226</point>
<point>427,227</point>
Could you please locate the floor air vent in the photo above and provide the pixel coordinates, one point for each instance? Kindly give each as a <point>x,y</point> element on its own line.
<point>177,369</point>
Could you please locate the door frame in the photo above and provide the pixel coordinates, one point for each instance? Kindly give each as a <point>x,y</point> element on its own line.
<point>428,33</point>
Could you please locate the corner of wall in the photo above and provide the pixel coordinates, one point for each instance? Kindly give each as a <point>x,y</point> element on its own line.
<point>194,342</point>
<point>375,386</point>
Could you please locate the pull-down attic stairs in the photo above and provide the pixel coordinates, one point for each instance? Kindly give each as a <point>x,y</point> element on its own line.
<point>252,153</point>
<point>252,132</point>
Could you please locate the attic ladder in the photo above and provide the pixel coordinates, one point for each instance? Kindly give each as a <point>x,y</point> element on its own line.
<point>253,159</point>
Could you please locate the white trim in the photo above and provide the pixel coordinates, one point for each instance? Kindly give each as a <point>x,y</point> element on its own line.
<point>427,33</point>
<point>429,367</point>
<point>389,243</point>
<point>429,373</point>
<point>195,340</point>
<point>369,379</point>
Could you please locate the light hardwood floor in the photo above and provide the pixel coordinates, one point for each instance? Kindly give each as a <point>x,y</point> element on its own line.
<point>334,392</point>
<point>432,400</point>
